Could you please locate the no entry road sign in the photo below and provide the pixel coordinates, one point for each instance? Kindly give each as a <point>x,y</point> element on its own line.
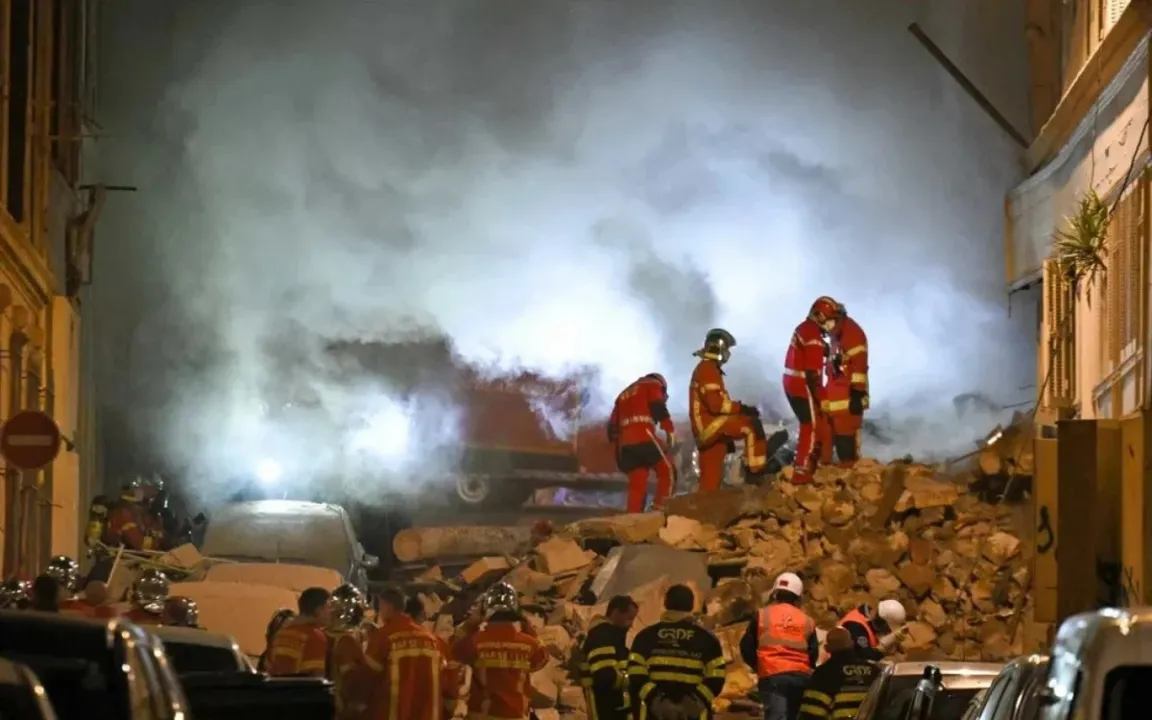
<point>30,440</point>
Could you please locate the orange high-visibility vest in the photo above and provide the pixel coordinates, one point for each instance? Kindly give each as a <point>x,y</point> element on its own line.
<point>855,616</point>
<point>783,643</point>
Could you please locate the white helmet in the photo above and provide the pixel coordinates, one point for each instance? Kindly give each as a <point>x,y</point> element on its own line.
<point>790,582</point>
<point>893,613</point>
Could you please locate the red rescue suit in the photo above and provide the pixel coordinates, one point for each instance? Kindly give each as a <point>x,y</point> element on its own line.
<point>127,527</point>
<point>632,426</point>
<point>803,368</point>
<point>718,421</point>
<point>408,664</point>
<point>848,399</point>
<point>503,658</point>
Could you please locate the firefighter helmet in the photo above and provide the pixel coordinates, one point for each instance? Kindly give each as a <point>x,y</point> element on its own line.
<point>658,378</point>
<point>182,611</point>
<point>825,312</point>
<point>718,344</point>
<point>282,616</point>
<point>65,571</point>
<point>502,597</point>
<point>348,606</point>
<point>150,591</point>
<point>15,593</point>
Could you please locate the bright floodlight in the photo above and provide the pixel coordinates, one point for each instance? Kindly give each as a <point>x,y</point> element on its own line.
<point>268,471</point>
<point>386,434</point>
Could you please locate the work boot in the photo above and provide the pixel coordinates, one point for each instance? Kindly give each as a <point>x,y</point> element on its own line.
<point>756,477</point>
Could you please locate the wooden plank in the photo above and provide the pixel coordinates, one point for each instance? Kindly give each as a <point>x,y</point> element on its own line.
<point>1046,525</point>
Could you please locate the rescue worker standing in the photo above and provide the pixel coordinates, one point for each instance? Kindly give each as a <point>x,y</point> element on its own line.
<point>503,652</point>
<point>407,665</point>
<point>300,646</point>
<point>638,409</point>
<point>676,667</point>
<point>803,382</point>
<point>604,661</point>
<point>875,631</point>
<point>279,619</point>
<point>717,420</point>
<point>148,596</point>
<point>838,687</point>
<point>782,645</point>
<point>847,395</point>
<point>347,668</point>
<point>450,677</point>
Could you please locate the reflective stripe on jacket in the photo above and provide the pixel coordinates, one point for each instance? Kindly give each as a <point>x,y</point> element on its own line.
<point>408,664</point>
<point>708,402</point>
<point>783,642</point>
<point>299,648</point>
<point>806,353</point>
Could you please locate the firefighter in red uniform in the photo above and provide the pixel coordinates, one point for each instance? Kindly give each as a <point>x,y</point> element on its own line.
<point>803,370</point>
<point>637,411</point>
<point>717,420</point>
<point>128,524</point>
<point>407,665</point>
<point>149,594</point>
<point>503,655</point>
<point>847,388</point>
<point>347,667</point>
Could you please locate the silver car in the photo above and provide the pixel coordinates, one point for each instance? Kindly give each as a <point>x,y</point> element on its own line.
<point>892,693</point>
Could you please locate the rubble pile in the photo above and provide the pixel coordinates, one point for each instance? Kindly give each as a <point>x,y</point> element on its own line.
<point>855,536</point>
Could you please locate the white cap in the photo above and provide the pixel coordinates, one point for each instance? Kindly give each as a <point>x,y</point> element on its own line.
<point>789,582</point>
<point>893,613</point>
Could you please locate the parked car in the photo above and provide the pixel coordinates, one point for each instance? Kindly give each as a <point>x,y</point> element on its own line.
<point>291,532</point>
<point>1017,693</point>
<point>243,696</point>
<point>191,650</point>
<point>1101,666</point>
<point>21,694</point>
<point>891,694</point>
<point>93,669</point>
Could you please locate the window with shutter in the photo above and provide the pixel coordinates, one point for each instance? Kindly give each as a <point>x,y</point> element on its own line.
<point>1112,11</point>
<point>1060,318</point>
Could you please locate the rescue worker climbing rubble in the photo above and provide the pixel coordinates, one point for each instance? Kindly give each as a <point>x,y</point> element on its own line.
<point>604,661</point>
<point>803,385</point>
<point>676,667</point>
<point>407,666</point>
<point>503,652</point>
<point>875,631</point>
<point>847,389</point>
<point>300,646</point>
<point>347,668</point>
<point>149,594</point>
<point>781,644</point>
<point>717,420</point>
<point>631,429</point>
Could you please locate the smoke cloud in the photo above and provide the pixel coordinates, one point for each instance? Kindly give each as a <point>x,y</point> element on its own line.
<point>550,185</point>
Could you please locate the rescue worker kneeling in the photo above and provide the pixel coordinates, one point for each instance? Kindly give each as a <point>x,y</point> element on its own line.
<point>631,428</point>
<point>347,668</point>
<point>717,420</point>
<point>782,645</point>
<point>503,652</point>
<point>838,687</point>
<point>604,661</point>
<point>676,668</point>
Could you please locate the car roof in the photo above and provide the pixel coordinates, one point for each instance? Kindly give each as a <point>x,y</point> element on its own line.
<point>948,667</point>
<point>13,673</point>
<point>194,636</point>
<point>278,508</point>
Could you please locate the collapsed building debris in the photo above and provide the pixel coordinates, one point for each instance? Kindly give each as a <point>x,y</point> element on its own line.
<point>856,536</point>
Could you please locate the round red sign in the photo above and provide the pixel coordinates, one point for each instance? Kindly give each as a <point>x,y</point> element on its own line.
<point>30,440</point>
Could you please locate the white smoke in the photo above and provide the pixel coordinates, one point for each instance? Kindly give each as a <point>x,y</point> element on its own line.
<point>551,185</point>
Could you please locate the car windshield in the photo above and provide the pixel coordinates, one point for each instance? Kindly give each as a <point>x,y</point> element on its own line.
<point>950,704</point>
<point>192,658</point>
<point>74,665</point>
<point>1127,692</point>
<point>279,535</point>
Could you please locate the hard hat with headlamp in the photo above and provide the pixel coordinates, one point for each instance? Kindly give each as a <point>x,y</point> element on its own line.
<point>501,598</point>
<point>65,571</point>
<point>150,591</point>
<point>348,606</point>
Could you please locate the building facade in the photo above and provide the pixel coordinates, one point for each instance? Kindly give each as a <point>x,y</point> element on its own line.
<point>1089,72</point>
<point>46,216</point>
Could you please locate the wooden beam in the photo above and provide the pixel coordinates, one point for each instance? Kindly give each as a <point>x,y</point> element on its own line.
<point>1083,91</point>
<point>1042,32</point>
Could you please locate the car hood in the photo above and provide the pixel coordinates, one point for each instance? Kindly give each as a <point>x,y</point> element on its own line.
<point>289,576</point>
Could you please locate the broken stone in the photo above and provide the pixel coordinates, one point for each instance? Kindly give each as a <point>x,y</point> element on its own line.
<point>772,556</point>
<point>919,579</point>
<point>919,636</point>
<point>557,556</point>
<point>1000,547</point>
<point>838,513</point>
<point>681,532</point>
<point>881,583</point>
<point>932,613</point>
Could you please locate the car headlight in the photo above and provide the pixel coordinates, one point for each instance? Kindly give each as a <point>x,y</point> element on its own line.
<point>268,471</point>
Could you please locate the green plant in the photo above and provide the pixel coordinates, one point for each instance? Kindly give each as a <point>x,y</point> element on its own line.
<point>1081,246</point>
